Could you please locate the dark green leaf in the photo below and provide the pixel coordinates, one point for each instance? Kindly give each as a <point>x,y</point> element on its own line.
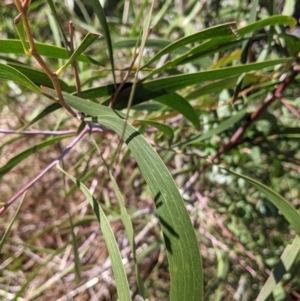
<point>217,31</point>
<point>159,87</point>
<point>15,46</point>
<point>181,105</point>
<point>10,73</point>
<point>40,78</point>
<point>182,246</point>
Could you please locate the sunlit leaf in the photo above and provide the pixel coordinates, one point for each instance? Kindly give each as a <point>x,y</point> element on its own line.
<point>114,253</point>
<point>181,244</point>
<point>287,260</point>
<point>217,31</point>
<point>88,40</point>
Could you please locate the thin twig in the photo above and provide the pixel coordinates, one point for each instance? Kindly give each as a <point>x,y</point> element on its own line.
<point>290,107</point>
<point>23,8</point>
<point>41,174</point>
<point>238,135</point>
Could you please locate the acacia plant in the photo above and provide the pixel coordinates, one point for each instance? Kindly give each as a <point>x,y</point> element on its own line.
<point>193,94</point>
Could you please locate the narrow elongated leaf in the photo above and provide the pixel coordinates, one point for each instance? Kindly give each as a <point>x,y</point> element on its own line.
<point>204,49</point>
<point>223,126</point>
<point>102,91</point>
<point>40,78</point>
<point>217,31</point>
<point>124,215</point>
<point>137,20</point>
<point>159,87</point>
<point>53,107</point>
<point>273,20</point>
<point>286,208</point>
<point>15,46</point>
<point>161,13</point>
<point>287,259</point>
<point>181,105</point>
<point>174,83</point>
<point>253,11</point>
<point>10,73</point>
<point>218,86</point>
<point>129,232</point>
<point>88,40</point>
<point>58,22</point>
<point>153,43</point>
<point>114,253</point>
<point>106,33</point>
<point>22,34</point>
<point>7,231</point>
<point>217,44</point>
<point>207,48</point>
<point>25,154</point>
<point>77,264</point>
<point>181,243</point>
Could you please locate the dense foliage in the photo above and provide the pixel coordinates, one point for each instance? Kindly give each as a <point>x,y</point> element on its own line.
<point>174,126</point>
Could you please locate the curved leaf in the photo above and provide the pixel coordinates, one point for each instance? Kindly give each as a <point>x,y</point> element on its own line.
<point>10,73</point>
<point>39,77</point>
<point>15,46</point>
<point>181,243</point>
<point>88,40</point>
<point>273,20</point>
<point>181,105</point>
<point>216,31</point>
<point>112,246</point>
<point>162,86</point>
